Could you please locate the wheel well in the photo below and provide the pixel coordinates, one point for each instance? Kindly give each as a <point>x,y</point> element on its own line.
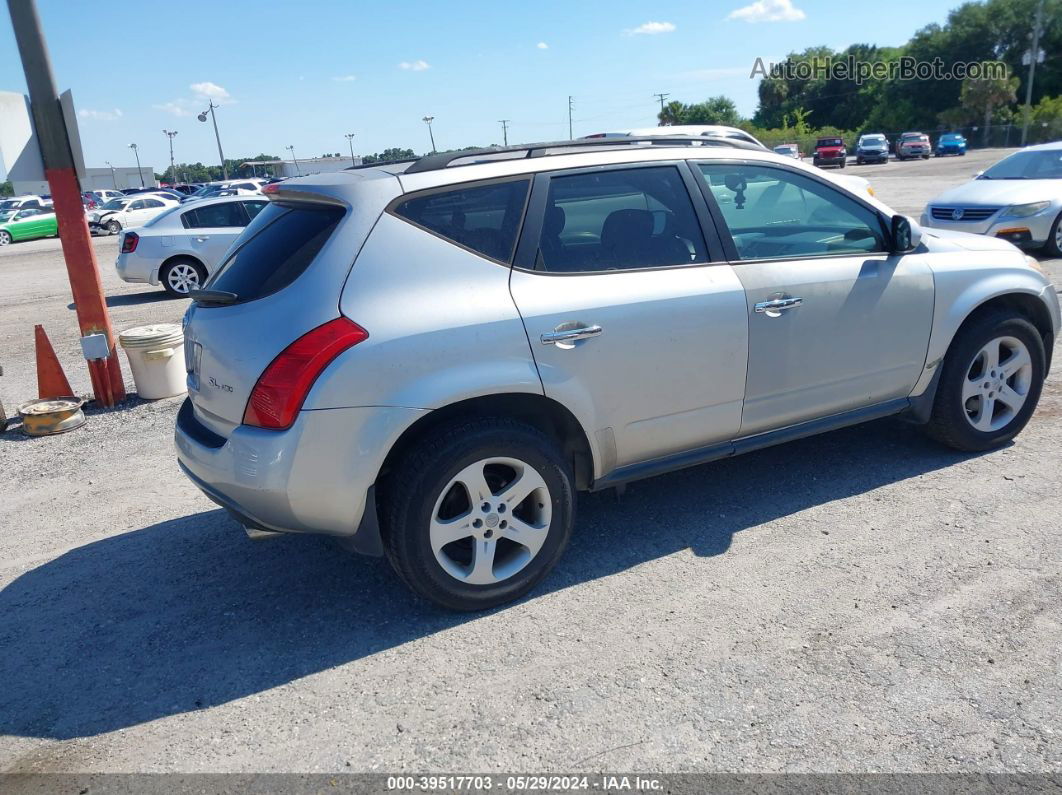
<point>178,258</point>
<point>540,412</point>
<point>1028,306</point>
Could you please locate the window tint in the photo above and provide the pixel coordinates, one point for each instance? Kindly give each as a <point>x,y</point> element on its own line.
<point>31,203</point>
<point>137,205</point>
<point>484,218</point>
<point>775,213</point>
<point>153,203</point>
<point>275,249</point>
<point>226,214</point>
<point>253,208</point>
<point>609,220</point>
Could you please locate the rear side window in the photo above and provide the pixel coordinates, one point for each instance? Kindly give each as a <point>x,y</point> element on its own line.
<point>275,249</point>
<point>227,214</point>
<point>483,218</point>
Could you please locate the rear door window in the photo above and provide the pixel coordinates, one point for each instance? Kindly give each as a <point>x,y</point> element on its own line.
<point>482,218</point>
<point>275,249</point>
<point>215,215</point>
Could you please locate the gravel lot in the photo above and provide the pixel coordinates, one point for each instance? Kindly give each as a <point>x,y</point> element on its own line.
<point>864,600</point>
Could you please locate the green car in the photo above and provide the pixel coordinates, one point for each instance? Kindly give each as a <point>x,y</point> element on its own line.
<point>28,225</point>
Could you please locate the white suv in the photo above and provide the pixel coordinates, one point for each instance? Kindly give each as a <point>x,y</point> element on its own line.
<point>429,359</point>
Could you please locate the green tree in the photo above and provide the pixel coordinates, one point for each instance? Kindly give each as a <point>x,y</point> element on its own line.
<point>388,155</point>
<point>986,95</point>
<point>714,110</point>
<point>6,188</point>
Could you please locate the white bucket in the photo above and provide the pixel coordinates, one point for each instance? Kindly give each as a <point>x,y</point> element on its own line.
<point>156,356</point>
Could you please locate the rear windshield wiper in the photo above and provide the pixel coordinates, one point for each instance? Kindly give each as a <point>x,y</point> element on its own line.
<point>213,297</point>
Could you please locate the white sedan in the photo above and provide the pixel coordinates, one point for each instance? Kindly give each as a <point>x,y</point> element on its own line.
<point>181,248</point>
<point>1018,199</point>
<point>127,212</point>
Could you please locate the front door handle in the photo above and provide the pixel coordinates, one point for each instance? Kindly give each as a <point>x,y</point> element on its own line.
<point>571,334</point>
<point>202,239</point>
<point>776,306</point>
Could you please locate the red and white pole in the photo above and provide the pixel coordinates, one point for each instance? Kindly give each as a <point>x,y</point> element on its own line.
<point>59,170</point>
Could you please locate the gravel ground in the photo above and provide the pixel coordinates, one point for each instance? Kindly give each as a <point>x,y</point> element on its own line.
<point>864,600</point>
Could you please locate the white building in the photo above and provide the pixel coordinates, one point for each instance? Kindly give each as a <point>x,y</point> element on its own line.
<point>289,168</point>
<point>115,178</point>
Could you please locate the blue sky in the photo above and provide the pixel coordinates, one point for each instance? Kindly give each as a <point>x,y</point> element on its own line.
<point>306,73</point>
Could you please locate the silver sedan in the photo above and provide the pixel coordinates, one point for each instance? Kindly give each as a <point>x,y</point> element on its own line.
<point>1018,199</point>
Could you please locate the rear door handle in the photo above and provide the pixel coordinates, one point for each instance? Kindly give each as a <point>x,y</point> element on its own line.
<point>202,239</point>
<point>776,306</point>
<point>571,334</point>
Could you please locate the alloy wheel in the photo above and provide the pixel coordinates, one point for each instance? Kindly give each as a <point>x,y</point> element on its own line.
<point>5,237</point>
<point>997,384</point>
<point>490,521</point>
<point>1058,236</point>
<point>182,277</point>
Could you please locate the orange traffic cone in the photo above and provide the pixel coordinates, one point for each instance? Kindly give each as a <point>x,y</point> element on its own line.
<point>51,380</point>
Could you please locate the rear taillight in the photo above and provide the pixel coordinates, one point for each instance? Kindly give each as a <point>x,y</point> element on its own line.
<point>129,242</point>
<point>282,388</point>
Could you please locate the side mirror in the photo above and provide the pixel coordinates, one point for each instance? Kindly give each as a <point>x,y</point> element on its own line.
<point>905,234</point>
<point>978,174</point>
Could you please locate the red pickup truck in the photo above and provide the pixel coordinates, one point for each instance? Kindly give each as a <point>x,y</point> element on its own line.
<point>830,152</point>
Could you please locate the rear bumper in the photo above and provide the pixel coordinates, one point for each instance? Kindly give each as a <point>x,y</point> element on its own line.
<point>314,477</point>
<point>131,268</point>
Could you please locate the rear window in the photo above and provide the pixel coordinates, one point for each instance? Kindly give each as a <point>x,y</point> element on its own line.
<point>483,218</point>
<point>275,249</point>
<point>225,214</point>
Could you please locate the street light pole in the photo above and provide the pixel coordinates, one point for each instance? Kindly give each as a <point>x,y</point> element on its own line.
<point>293,158</point>
<point>428,120</point>
<point>173,168</point>
<point>350,140</point>
<point>1034,55</point>
<point>505,131</point>
<point>113,180</point>
<point>221,155</point>
<point>139,172</point>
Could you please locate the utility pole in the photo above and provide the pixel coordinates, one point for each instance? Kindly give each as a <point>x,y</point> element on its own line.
<point>505,131</point>
<point>173,169</point>
<point>202,117</point>
<point>139,171</point>
<point>293,158</point>
<point>661,97</point>
<point>350,140</point>
<point>113,180</point>
<point>1034,56</point>
<point>570,136</point>
<point>78,251</point>
<point>428,120</point>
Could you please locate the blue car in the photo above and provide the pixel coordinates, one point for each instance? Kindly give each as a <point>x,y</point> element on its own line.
<point>950,144</point>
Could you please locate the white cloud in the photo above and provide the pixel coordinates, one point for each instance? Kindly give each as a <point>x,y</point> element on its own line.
<point>345,78</point>
<point>769,11</point>
<point>414,66</point>
<point>208,90</point>
<point>651,29</point>
<point>178,107</point>
<point>542,45</point>
<point>100,115</point>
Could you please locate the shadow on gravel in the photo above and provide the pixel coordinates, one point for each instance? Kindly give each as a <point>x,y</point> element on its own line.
<point>188,613</point>
<point>135,299</point>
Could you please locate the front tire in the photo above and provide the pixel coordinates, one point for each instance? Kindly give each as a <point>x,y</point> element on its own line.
<point>181,276</point>
<point>113,227</point>
<point>478,513</point>
<point>1053,246</point>
<point>990,383</point>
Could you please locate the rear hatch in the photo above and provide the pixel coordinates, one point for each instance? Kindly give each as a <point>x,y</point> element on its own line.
<point>281,279</point>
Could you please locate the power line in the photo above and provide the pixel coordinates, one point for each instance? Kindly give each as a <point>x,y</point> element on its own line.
<point>505,131</point>
<point>661,97</point>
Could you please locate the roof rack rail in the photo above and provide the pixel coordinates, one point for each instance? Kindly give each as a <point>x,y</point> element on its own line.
<point>379,163</point>
<point>444,159</point>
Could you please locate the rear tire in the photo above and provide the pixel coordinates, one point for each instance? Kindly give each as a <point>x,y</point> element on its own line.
<point>456,505</point>
<point>990,383</point>
<point>180,276</point>
<point>5,237</point>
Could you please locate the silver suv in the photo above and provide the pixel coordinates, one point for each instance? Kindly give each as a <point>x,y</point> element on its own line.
<point>428,359</point>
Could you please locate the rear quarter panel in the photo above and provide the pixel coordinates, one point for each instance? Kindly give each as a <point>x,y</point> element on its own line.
<point>442,326</point>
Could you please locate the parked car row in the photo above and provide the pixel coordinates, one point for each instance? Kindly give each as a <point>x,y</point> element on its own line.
<point>874,148</point>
